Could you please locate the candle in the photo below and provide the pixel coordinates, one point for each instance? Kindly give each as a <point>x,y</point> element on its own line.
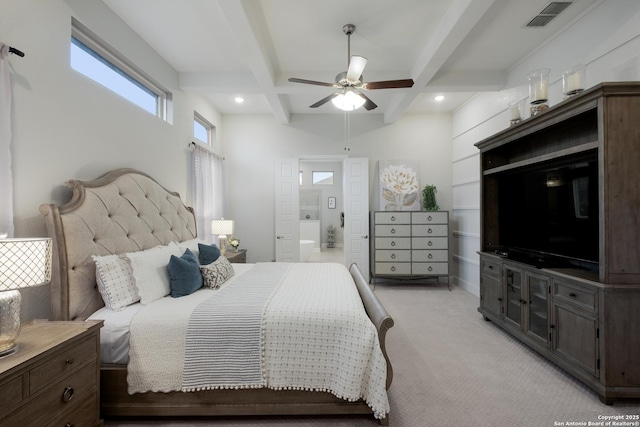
<point>573,82</point>
<point>541,91</point>
<point>514,112</point>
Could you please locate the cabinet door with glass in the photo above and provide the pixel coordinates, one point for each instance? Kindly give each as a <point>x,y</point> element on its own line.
<point>514,297</point>
<point>537,291</point>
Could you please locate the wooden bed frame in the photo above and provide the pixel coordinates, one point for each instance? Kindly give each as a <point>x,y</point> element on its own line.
<point>126,210</point>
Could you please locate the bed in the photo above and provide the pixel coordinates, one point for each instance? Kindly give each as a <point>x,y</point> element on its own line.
<point>127,211</point>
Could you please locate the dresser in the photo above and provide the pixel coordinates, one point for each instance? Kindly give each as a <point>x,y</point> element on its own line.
<point>409,244</point>
<point>53,378</point>
<point>239,256</point>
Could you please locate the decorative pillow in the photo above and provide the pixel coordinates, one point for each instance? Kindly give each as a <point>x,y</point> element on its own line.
<point>208,253</point>
<point>115,282</point>
<point>184,274</point>
<point>216,273</point>
<point>149,269</point>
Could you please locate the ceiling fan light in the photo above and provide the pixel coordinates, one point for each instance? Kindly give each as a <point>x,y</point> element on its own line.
<point>348,101</point>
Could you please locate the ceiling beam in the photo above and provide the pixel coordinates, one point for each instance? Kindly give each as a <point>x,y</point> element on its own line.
<point>458,21</point>
<point>246,19</point>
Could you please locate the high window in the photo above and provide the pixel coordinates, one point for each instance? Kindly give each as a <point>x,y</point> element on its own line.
<point>203,131</point>
<point>96,60</point>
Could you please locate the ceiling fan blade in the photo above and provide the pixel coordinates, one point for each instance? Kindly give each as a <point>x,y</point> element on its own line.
<point>368,103</point>
<point>324,100</point>
<point>388,84</point>
<point>356,67</point>
<point>312,82</point>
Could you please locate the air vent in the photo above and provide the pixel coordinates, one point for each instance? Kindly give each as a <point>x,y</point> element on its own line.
<point>548,13</point>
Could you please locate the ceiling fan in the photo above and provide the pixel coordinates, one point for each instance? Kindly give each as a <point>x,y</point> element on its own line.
<point>350,82</point>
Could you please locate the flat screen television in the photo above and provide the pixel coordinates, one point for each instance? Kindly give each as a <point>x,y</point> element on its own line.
<point>548,215</point>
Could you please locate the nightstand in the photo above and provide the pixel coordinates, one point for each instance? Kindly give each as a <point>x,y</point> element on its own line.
<point>53,378</point>
<point>238,257</point>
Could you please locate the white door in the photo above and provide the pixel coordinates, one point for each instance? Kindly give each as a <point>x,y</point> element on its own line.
<point>287,217</point>
<point>356,213</point>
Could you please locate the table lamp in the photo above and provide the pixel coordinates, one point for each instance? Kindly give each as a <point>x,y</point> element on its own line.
<point>222,227</point>
<point>24,262</point>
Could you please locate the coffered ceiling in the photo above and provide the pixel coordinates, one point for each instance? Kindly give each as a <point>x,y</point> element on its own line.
<point>249,48</point>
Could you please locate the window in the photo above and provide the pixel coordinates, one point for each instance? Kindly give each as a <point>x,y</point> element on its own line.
<point>93,58</point>
<point>203,130</point>
<point>322,178</point>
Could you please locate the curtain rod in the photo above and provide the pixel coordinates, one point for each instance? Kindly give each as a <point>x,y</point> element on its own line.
<point>193,144</point>
<point>16,51</point>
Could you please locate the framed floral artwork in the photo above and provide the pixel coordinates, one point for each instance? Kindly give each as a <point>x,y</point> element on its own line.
<point>399,185</point>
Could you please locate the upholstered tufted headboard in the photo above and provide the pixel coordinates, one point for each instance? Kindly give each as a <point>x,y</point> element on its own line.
<point>122,211</point>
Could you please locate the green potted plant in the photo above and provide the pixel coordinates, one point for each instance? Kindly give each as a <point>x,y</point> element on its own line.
<point>429,198</point>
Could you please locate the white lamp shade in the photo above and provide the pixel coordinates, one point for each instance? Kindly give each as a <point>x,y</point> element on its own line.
<point>222,226</point>
<point>348,101</point>
<point>24,262</point>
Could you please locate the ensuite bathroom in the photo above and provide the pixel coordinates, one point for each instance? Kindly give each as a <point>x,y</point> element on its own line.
<point>321,211</point>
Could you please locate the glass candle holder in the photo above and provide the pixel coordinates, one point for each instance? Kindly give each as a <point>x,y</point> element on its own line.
<point>539,90</point>
<point>573,80</point>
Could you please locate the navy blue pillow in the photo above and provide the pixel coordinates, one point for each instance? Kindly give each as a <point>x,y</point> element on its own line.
<point>208,253</point>
<point>184,274</point>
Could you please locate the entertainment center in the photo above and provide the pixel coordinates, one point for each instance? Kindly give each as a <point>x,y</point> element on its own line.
<point>560,235</point>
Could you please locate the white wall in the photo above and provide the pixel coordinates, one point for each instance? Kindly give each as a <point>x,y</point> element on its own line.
<point>606,39</point>
<point>67,126</point>
<point>254,143</point>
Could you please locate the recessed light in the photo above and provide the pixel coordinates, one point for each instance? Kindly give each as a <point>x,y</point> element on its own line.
<point>239,99</point>
<point>439,98</point>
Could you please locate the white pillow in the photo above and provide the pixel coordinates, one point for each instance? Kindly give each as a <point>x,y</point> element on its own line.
<point>192,245</point>
<point>149,269</point>
<point>115,282</point>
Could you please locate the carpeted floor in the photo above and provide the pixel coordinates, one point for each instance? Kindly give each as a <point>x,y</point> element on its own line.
<point>453,369</point>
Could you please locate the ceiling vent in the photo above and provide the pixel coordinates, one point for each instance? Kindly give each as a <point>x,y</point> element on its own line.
<point>548,13</point>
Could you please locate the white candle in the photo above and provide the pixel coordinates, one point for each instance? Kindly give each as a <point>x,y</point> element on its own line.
<point>514,112</point>
<point>540,91</point>
<point>573,82</point>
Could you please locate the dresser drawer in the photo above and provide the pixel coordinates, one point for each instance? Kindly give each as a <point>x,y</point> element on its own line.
<point>61,364</point>
<point>429,217</point>
<point>426,268</point>
<point>393,230</point>
<point>428,230</point>
<point>83,414</point>
<point>393,256</point>
<point>392,218</point>
<point>585,298</point>
<point>430,256</point>
<point>430,243</point>
<point>491,268</point>
<point>393,243</point>
<point>11,392</point>
<point>393,268</point>
<point>64,396</point>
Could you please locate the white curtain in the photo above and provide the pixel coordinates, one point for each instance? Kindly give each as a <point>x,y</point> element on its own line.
<point>208,189</point>
<point>6,179</point>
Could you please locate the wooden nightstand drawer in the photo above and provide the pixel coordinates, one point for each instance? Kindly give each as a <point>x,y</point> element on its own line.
<point>62,364</point>
<point>237,257</point>
<point>63,397</point>
<point>82,414</point>
<point>11,392</point>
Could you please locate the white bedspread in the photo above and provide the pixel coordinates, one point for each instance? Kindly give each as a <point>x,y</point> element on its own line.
<point>316,336</point>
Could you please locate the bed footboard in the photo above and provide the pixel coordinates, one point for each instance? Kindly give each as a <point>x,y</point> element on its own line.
<point>377,313</point>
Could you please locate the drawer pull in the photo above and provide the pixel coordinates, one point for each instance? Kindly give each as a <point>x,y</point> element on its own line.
<point>393,231</point>
<point>430,268</point>
<point>393,218</point>
<point>429,218</point>
<point>393,243</point>
<point>430,243</point>
<point>490,267</point>
<point>393,256</point>
<point>67,394</point>
<point>393,268</point>
<point>69,361</point>
<point>572,294</point>
<point>68,425</point>
<point>429,231</point>
<point>430,256</point>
